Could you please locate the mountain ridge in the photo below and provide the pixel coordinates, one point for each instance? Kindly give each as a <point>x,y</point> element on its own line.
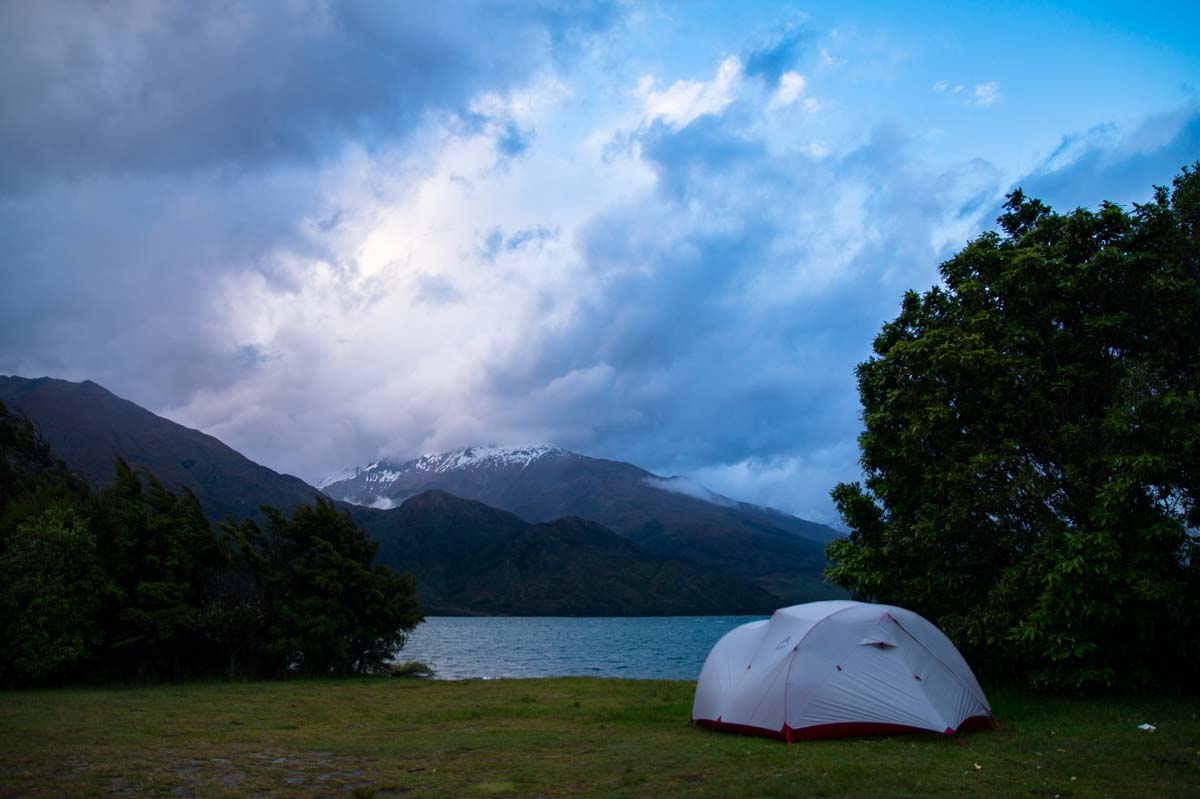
<point>88,427</point>
<point>378,475</point>
<point>569,566</point>
<point>664,516</point>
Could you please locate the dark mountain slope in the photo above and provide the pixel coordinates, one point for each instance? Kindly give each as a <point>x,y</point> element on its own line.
<point>30,476</point>
<point>468,557</point>
<point>89,427</point>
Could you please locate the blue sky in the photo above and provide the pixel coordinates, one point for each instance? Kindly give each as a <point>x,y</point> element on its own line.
<point>658,232</point>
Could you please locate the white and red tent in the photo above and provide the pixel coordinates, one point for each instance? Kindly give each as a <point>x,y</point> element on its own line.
<point>827,669</point>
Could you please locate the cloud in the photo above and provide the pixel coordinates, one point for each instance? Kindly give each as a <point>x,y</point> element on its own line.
<point>179,176</point>
<point>700,306</point>
<point>791,87</point>
<point>828,60</point>
<point>529,237</point>
<point>986,93</point>
<point>789,482</point>
<point>686,100</point>
<point>118,280</point>
<point>497,241</point>
<point>690,488</point>
<point>699,309</point>
<point>1111,163</point>
<point>983,93</point>
<point>158,88</point>
<point>436,290</point>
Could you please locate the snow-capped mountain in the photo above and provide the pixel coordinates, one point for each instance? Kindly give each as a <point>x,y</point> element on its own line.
<point>488,458</point>
<point>386,483</point>
<point>668,516</point>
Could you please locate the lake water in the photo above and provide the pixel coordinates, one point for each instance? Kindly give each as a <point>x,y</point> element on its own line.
<point>644,648</point>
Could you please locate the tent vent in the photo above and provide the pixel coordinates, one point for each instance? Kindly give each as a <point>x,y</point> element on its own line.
<point>882,635</point>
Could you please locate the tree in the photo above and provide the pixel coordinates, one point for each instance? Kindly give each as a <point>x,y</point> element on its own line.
<point>131,582</point>
<point>1032,445</point>
<point>160,555</point>
<point>51,582</point>
<point>50,577</point>
<point>327,608</point>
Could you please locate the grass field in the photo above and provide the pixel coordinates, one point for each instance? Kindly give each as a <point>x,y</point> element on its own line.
<point>554,738</point>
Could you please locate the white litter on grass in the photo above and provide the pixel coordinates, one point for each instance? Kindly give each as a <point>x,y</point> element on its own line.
<point>1147,727</point>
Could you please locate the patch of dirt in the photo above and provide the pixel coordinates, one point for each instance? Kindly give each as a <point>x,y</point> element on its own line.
<point>266,772</point>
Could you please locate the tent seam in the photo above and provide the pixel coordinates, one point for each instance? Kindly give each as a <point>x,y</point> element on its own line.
<point>946,666</point>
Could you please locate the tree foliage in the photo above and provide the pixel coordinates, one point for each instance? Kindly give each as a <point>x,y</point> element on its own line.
<point>49,597</point>
<point>1032,445</point>
<point>159,554</point>
<point>131,582</point>
<point>325,606</point>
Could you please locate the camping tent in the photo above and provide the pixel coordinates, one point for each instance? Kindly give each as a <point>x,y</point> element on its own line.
<point>827,669</point>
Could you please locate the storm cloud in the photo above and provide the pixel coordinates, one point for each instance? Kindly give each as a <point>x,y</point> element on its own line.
<point>328,232</point>
<point>135,88</point>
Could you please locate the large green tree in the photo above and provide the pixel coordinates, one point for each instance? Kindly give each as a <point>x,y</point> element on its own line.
<point>326,607</point>
<point>160,556</point>
<point>1032,445</point>
<point>49,596</point>
<point>50,574</point>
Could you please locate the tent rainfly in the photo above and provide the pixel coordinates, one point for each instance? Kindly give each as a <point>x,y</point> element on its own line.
<point>828,669</point>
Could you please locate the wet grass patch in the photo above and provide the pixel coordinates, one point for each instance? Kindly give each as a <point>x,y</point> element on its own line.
<point>555,738</point>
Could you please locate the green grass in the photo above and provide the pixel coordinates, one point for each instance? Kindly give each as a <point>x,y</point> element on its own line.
<point>555,738</point>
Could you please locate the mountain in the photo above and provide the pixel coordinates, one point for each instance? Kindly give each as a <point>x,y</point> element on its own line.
<point>469,557</point>
<point>89,427</point>
<point>666,517</point>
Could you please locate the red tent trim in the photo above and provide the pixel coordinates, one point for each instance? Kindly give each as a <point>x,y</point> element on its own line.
<point>839,730</point>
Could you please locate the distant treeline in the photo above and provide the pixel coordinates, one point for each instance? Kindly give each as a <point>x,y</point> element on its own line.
<point>131,582</point>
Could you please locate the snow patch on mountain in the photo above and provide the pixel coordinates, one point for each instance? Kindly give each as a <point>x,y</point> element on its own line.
<point>690,488</point>
<point>475,457</point>
<point>344,474</point>
<point>380,474</point>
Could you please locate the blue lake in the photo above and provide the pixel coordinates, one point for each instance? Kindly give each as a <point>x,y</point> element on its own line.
<point>644,648</point>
